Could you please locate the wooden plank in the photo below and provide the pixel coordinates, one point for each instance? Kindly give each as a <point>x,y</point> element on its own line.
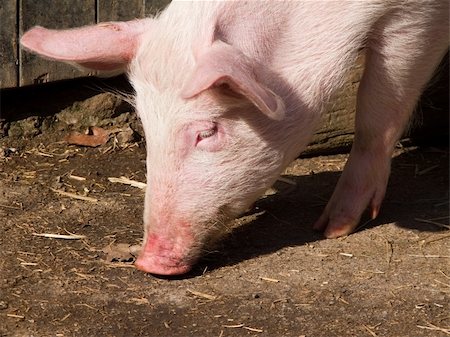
<point>8,44</point>
<point>117,10</point>
<point>51,14</point>
<point>336,129</point>
<point>154,6</point>
<point>68,14</point>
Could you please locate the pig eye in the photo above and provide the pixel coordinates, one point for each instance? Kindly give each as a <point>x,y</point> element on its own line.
<point>206,134</point>
<point>209,137</point>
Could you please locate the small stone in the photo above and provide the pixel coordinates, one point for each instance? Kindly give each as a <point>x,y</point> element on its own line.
<point>3,305</point>
<point>126,136</point>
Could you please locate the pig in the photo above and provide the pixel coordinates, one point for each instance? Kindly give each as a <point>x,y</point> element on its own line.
<point>230,92</point>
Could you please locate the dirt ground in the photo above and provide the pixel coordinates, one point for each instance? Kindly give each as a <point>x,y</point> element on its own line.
<point>271,276</point>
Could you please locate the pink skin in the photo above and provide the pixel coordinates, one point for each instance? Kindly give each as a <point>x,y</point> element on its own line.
<point>160,256</point>
<point>227,100</point>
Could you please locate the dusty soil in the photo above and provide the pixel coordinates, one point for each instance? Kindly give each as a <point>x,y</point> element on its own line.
<point>271,276</point>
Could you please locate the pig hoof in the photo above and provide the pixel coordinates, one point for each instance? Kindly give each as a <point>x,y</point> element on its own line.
<point>334,228</point>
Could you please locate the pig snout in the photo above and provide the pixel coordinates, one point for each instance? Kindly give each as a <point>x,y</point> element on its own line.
<point>166,255</point>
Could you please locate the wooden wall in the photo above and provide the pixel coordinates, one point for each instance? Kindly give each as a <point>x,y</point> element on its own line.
<point>20,68</point>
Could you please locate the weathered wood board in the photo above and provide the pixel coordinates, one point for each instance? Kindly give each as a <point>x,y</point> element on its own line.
<point>65,14</point>
<point>154,6</point>
<point>8,44</point>
<point>20,68</point>
<point>113,10</point>
<point>336,129</point>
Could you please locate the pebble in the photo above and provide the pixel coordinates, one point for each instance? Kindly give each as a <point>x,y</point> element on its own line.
<point>3,305</point>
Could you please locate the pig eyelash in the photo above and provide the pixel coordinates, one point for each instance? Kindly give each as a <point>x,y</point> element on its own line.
<point>209,137</point>
<point>206,133</point>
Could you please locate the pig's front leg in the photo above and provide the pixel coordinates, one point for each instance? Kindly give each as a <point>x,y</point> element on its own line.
<point>396,72</point>
<point>361,185</point>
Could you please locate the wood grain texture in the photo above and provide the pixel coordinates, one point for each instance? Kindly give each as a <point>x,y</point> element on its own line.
<point>114,10</point>
<point>336,129</point>
<point>47,13</point>
<point>62,14</point>
<point>154,6</point>
<point>8,44</point>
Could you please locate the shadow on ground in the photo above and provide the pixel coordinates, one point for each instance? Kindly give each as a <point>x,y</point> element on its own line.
<point>418,191</point>
<point>50,98</point>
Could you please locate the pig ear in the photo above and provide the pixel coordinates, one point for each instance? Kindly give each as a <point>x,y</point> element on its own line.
<point>223,64</point>
<point>105,46</point>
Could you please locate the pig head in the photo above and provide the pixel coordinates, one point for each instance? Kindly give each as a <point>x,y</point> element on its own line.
<point>214,127</point>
